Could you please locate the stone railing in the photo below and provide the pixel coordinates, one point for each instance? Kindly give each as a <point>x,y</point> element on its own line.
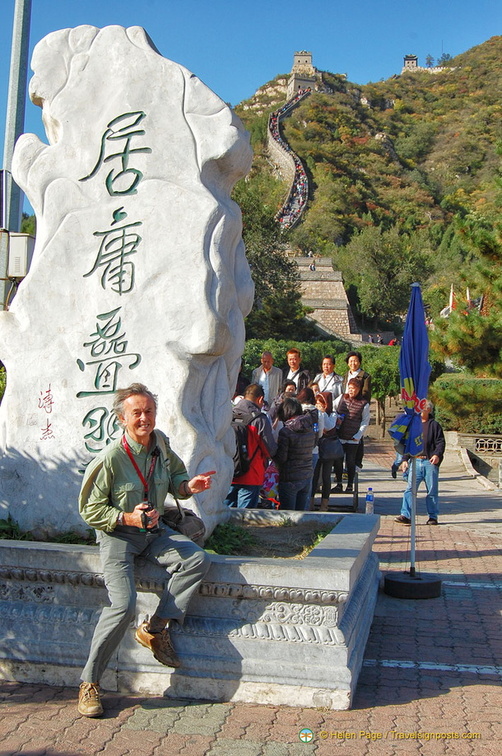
<point>482,453</point>
<point>483,444</point>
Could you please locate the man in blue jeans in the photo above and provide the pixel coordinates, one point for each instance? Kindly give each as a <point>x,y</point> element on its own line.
<point>427,468</point>
<point>261,445</point>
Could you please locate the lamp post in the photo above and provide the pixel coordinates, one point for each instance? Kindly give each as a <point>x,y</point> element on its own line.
<point>11,205</point>
<point>14,126</point>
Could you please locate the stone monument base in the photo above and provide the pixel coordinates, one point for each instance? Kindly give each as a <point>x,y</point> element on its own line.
<point>261,630</point>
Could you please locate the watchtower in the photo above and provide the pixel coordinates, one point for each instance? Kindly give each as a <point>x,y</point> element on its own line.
<point>302,63</point>
<point>303,73</point>
<point>410,63</point>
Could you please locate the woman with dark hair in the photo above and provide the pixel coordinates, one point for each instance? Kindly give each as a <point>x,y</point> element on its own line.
<point>354,362</point>
<point>288,388</point>
<point>294,455</point>
<point>353,416</point>
<point>324,404</point>
<point>307,399</point>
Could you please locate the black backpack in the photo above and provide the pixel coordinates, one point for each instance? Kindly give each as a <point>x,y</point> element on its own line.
<point>241,418</point>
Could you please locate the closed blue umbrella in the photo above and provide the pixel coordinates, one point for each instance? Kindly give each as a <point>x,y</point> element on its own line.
<point>415,370</point>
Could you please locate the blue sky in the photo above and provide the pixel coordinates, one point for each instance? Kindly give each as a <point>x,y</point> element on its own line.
<point>236,46</point>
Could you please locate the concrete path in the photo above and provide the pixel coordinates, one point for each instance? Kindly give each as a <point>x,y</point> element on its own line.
<point>430,684</point>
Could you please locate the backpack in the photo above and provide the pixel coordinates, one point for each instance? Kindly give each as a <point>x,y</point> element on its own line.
<point>241,418</point>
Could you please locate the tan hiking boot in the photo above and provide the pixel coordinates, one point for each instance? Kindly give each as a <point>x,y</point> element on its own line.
<point>89,700</point>
<point>159,644</point>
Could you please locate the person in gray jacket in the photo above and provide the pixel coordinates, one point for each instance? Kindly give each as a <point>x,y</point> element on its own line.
<point>268,377</point>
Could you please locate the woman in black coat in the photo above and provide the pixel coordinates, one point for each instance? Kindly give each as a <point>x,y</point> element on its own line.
<point>296,441</point>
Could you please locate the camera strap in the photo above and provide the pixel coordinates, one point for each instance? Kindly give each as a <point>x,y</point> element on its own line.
<point>145,481</point>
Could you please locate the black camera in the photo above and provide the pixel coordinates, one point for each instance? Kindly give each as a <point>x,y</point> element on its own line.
<point>145,520</point>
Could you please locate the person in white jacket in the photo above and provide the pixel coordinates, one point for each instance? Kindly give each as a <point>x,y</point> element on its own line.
<point>328,380</point>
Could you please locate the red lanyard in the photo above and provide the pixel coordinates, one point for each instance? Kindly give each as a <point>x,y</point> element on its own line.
<point>145,482</point>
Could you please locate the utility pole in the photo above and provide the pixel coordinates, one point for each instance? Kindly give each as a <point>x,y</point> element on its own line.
<point>12,204</point>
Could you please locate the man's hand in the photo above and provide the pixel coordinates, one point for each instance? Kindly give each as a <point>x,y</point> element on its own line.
<point>434,460</point>
<point>200,482</point>
<point>134,518</point>
<point>404,465</point>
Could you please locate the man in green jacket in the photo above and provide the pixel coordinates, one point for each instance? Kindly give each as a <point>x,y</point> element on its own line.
<point>122,497</point>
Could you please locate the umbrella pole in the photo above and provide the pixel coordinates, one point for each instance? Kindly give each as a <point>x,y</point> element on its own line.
<point>408,585</point>
<point>413,514</point>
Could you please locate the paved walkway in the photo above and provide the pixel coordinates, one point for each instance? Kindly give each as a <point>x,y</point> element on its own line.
<point>430,684</point>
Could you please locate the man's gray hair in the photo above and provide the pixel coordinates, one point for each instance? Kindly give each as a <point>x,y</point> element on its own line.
<point>135,389</point>
<point>429,406</point>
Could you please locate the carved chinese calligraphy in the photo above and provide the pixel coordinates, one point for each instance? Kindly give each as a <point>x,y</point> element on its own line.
<point>123,127</point>
<point>108,348</point>
<point>139,271</point>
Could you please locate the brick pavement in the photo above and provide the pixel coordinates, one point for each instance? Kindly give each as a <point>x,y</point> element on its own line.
<point>430,683</point>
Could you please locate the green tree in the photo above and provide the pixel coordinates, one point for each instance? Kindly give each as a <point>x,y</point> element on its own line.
<point>382,363</point>
<point>382,265</point>
<point>29,224</point>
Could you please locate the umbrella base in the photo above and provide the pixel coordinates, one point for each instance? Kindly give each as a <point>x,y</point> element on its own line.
<point>405,586</point>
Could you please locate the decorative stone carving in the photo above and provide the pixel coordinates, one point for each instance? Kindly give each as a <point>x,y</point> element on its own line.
<point>283,593</point>
<point>46,576</point>
<point>139,271</point>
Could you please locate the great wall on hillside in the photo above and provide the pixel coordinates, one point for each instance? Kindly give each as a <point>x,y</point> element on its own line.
<point>322,287</point>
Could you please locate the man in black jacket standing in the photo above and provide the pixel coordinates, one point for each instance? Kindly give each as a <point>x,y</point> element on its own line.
<point>294,370</point>
<point>427,468</point>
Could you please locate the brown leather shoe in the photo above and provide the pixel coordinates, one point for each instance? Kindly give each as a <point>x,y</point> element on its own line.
<point>89,700</point>
<point>159,644</point>
<point>403,520</point>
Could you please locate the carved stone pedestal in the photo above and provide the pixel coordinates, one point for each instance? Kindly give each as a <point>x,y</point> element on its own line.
<point>279,631</point>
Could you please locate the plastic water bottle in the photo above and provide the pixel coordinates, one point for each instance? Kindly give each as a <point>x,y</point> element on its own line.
<point>370,501</point>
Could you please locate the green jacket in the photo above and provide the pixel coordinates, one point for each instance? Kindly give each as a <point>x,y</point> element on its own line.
<point>112,485</point>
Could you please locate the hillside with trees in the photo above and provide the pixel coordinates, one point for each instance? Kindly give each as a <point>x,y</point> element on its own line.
<point>405,185</point>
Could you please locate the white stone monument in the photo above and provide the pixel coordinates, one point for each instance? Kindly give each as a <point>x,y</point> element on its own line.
<point>139,271</point>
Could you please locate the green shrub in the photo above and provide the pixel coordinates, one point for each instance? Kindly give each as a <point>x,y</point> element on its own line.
<point>228,538</point>
<point>11,531</point>
<point>468,404</point>
<point>3,382</point>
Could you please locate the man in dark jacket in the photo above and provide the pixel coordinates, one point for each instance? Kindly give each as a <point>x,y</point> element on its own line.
<point>427,468</point>
<point>244,491</point>
<point>294,370</point>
